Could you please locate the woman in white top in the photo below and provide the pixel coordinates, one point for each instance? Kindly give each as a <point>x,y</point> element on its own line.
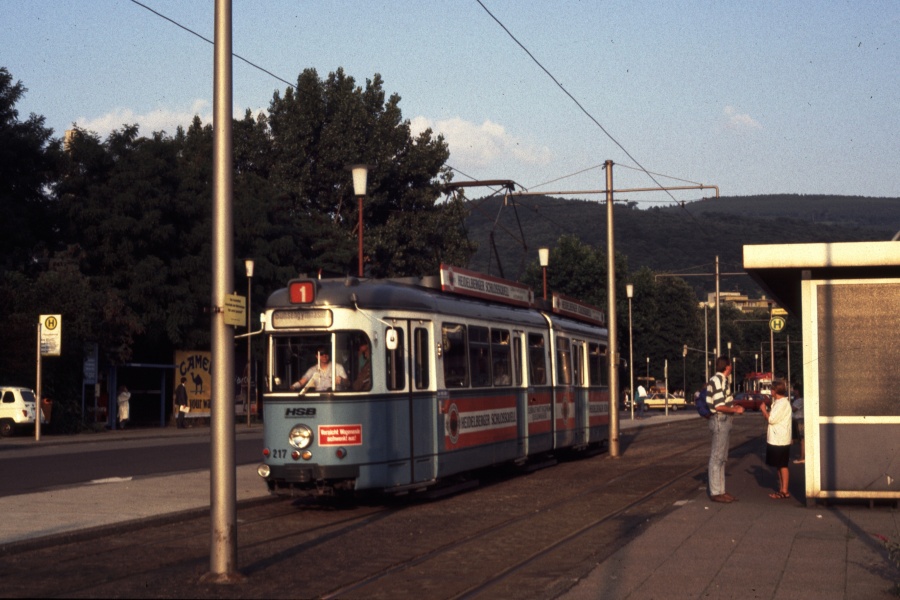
<point>778,437</point>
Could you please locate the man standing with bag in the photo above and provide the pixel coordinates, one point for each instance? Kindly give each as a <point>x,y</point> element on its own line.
<point>720,423</point>
<point>181,403</point>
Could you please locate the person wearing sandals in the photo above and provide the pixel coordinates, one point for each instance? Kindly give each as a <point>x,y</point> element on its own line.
<point>720,423</point>
<point>778,437</point>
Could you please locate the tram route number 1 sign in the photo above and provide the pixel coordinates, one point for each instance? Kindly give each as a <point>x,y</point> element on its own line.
<point>51,335</point>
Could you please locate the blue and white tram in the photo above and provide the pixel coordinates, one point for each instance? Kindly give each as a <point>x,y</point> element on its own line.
<point>398,385</point>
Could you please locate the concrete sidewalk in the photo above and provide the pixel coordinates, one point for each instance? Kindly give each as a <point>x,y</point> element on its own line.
<point>756,547</point>
<point>99,504</point>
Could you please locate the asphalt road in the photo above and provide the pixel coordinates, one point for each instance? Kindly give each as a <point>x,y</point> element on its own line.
<point>31,468</point>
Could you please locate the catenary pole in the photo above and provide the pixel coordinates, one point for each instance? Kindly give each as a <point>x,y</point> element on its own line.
<point>613,351</point>
<point>223,487</point>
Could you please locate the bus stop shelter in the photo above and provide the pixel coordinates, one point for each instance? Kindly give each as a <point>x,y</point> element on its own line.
<point>848,297</point>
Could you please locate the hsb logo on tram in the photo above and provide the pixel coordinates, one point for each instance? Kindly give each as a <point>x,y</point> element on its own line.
<point>299,412</point>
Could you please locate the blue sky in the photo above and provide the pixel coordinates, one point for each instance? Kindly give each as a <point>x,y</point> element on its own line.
<point>755,97</point>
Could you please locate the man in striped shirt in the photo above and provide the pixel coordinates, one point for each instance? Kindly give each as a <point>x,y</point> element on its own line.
<point>720,423</point>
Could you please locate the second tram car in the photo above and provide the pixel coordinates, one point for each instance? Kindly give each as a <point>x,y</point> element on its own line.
<point>397,385</point>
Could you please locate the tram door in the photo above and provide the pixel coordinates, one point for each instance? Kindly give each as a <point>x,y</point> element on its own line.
<point>579,382</point>
<point>423,407</point>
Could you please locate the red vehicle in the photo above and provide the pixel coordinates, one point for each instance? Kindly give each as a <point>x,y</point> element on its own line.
<point>760,383</point>
<point>752,400</point>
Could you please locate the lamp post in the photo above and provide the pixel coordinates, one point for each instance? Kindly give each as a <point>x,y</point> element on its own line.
<point>756,362</point>
<point>629,291</point>
<point>734,376</point>
<point>706,338</point>
<point>248,265</point>
<point>544,258</point>
<point>360,175</point>
<point>732,367</point>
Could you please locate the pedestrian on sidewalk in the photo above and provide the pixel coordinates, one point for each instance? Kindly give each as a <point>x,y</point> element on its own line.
<point>778,437</point>
<point>797,423</point>
<point>641,397</point>
<point>720,424</point>
<point>181,402</point>
<point>124,404</point>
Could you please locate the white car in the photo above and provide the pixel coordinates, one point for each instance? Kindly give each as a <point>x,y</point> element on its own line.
<point>17,406</point>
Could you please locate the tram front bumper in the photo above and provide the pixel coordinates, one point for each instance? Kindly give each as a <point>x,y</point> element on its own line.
<point>308,473</point>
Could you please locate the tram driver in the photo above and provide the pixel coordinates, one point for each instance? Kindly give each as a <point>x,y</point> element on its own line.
<point>321,373</point>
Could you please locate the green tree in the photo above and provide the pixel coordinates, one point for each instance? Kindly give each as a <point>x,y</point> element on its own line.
<point>28,170</point>
<point>319,128</point>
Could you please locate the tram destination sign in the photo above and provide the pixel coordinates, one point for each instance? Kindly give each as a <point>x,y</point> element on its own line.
<point>577,310</point>
<point>471,283</point>
<point>282,319</point>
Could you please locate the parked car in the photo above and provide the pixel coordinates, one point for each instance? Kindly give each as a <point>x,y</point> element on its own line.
<point>658,400</point>
<point>17,406</point>
<point>752,400</point>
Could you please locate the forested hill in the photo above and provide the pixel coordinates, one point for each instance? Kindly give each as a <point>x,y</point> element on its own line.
<point>674,238</point>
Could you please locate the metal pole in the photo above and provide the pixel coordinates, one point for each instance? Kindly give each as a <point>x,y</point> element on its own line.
<point>360,226</point>
<point>771,346</point>
<point>611,319</point>
<point>630,360</point>
<point>223,488</point>
<point>718,322</point>
<point>249,337</point>
<point>544,269</point>
<point>706,338</point>
<point>37,413</point>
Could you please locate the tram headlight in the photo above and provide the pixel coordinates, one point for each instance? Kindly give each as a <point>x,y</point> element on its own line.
<point>300,436</point>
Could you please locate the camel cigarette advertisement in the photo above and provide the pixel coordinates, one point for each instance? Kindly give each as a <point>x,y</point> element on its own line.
<point>196,367</point>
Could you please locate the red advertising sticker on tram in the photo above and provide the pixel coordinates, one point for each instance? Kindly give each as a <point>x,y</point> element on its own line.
<point>340,435</point>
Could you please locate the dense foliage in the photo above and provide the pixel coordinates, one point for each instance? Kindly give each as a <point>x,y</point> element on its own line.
<point>114,234</point>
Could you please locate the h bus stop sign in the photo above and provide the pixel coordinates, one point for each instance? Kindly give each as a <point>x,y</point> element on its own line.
<point>51,335</point>
<point>776,324</point>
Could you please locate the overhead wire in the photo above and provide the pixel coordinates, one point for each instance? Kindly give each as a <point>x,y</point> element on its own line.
<point>534,59</point>
<point>209,41</point>
<point>585,111</point>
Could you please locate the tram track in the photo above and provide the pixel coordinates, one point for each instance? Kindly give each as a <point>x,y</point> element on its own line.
<point>377,584</point>
<point>523,536</point>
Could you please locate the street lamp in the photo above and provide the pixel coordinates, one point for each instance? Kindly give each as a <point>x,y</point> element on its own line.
<point>544,258</point>
<point>756,362</point>
<point>706,338</point>
<point>629,291</point>
<point>248,265</point>
<point>732,367</point>
<point>360,174</point>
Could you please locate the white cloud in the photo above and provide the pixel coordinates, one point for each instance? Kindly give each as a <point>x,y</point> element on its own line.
<point>740,122</point>
<point>160,119</point>
<point>484,145</point>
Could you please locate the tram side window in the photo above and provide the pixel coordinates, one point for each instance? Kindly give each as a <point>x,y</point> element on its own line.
<point>420,359</point>
<point>453,343</point>
<point>479,356</point>
<point>596,362</point>
<point>517,360</point>
<point>537,359</point>
<point>394,362</point>
<point>563,361</point>
<point>578,363</point>
<point>500,353</point>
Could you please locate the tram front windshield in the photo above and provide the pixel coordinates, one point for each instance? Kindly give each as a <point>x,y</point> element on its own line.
<point>331,362</point>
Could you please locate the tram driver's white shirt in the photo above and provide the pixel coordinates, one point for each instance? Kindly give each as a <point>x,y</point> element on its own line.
<point>322,377</point>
